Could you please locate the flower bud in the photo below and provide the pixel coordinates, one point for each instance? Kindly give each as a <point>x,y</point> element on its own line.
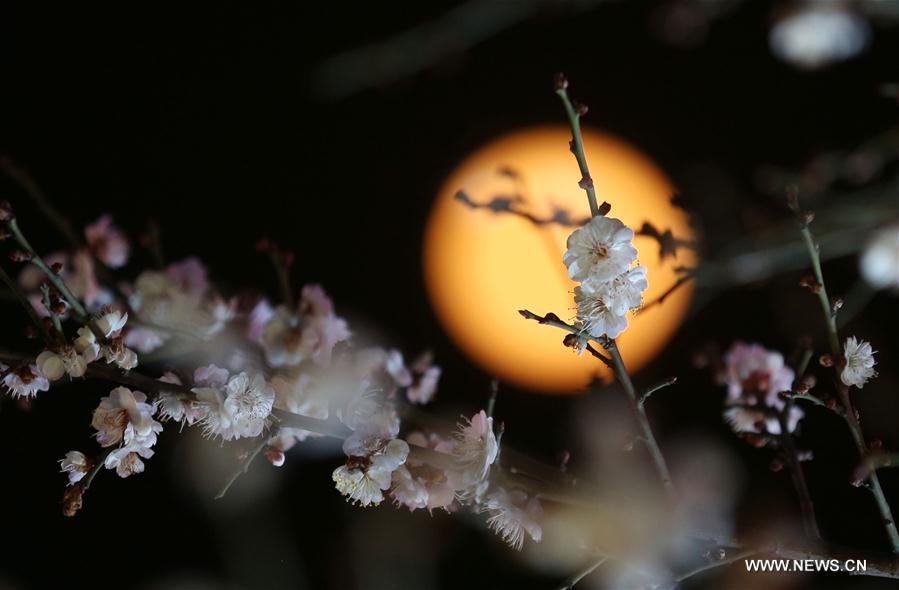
<point>825,360</point>
<point>560,82</point>
<point>72,500</point>
<point>19,256</point>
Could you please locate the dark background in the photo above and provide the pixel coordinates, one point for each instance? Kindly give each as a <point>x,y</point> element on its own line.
<point>220,124</point>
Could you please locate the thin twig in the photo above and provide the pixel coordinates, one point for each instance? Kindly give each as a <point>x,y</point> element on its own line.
<point>577,144</point>
<point>660,385</point>
<point>552,319</point>
<point>26,304</point>
<point>572,580</point>
<point>806,506</point>
<point>52,276</point>
<point>715,564</point>
<point>245,465</point>
<point>57,325</point>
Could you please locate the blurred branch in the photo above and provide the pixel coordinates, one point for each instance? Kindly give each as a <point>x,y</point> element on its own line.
<point>456,31</point>
<point>513,204</point>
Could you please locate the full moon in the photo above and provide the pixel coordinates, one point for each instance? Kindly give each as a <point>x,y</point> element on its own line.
<point>482,265</point>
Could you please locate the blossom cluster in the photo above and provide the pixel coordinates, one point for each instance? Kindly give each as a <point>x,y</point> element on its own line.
<point>278,366</point>
<point>601,256</point>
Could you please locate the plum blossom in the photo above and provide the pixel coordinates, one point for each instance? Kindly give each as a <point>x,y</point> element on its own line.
<point>124,412</point>
<point>75,465</point>
<point>512,514</point>
<point>126,460</point>
<point>475,449</point>
<point>859,362</point>
<point>24,382</point>
<point>309,332</point>
<point>602,305</point>
<point>364,478</point>
<point>298,395</point>
<point>54,364</point>
<point>261,314</point>
<point>419,485</point>
<point>115,352</point>
<point>125,417</point>
<point>107,242</point>
<point>240,409</point>
<point>172,406</point>
<point>178,300</point>
<point>425,378</point>
<point>755,377</point>
<point>601,249</point>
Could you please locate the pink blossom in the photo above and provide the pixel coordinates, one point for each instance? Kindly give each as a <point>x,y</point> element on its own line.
<point>107,242</point>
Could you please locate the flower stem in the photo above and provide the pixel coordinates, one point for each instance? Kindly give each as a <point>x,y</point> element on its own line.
<point>834,339</point>
<point>642,421</point>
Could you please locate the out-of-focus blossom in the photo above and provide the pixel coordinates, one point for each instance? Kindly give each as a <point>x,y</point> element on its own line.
<point>261,314</point>
<point>178,300</point>
<point>144,340</point>
<point>601,249</point>
<point>755,377</point>
<point>419,485</point>
<point>78,274</point>
<point>363,479</point>
<point>309,332</point>
<point>298,395</point>
<point>86,344</point>
<point>425,377</point>
<point>75,465</point>
<point>880,260</point>
<point>859,362</point>
<point>24,382</point>
<point>210,376</point>
<point>107,242</point>
<point>395,366</point>
<point>818,34</point>
<point>602,306</point>
<point>512,514</point>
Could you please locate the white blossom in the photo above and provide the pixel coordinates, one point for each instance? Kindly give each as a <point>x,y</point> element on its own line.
<point>601,249</point>
<point>475,449</point>
<point>123,410</point>
<point>75,465</point>
<point>24,382</point>
<point>512,514</point>
<point>859,362</point>
<point>86,344</point>
<point>240,409</point>
<point>364,479</point>
<point>602,306</point>
<point>55,364</point>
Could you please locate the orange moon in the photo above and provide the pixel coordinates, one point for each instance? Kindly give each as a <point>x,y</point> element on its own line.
<point>481,266</point>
